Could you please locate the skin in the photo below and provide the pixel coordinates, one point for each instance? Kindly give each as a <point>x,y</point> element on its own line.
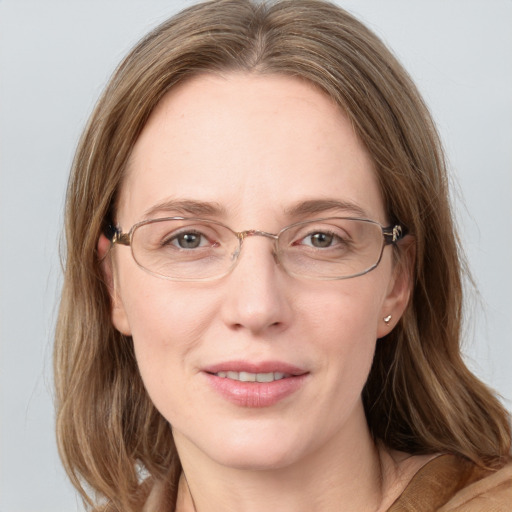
<point>257,146</point>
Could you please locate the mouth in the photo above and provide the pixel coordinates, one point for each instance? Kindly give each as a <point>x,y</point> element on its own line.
<point>252,377</point>
<point>255,385</point>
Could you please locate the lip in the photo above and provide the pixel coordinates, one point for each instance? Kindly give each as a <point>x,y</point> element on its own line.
<point>255,394</point>
<point>252,367</point>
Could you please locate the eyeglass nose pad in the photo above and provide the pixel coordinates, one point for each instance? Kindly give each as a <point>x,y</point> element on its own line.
<point>235,254</point>
<point>276,256</point>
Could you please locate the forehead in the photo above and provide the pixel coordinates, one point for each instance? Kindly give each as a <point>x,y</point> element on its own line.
<point>251,144</point>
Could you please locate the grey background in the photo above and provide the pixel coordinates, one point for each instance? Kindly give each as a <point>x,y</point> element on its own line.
<point>55,58</point>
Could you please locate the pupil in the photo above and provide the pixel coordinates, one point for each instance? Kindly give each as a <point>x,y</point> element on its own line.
<point>189,241</point>
<point>321,240</point>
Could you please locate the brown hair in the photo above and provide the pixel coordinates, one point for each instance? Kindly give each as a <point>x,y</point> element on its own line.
<point>420,397</point>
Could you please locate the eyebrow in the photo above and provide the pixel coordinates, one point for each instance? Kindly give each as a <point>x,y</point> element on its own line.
<point>315,206</point>
<point>300,209</point>
<point>185,207</point>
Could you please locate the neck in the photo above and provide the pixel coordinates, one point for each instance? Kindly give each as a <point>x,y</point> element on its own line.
<point>346,472</point>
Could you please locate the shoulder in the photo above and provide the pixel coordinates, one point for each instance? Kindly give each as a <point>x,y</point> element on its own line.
<point>492,491</point>
<point>452,484</point>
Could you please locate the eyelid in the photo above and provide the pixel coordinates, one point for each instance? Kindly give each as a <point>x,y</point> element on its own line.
<point>190,229</point>
<point>318,225</point>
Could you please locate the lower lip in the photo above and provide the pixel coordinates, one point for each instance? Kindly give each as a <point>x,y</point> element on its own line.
<point>255,394</point>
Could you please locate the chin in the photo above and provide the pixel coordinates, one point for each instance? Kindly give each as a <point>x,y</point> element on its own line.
<point>253,450</point>
<point>257,459</point>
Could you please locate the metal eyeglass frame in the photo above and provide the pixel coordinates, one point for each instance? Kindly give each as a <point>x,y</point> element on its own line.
<point>391,235</point>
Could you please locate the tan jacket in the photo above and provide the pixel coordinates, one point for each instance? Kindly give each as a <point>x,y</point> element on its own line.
<point>445,484</point>
<point>452,484</point>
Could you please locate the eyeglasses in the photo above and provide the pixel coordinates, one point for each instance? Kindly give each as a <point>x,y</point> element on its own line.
<point>191,249</point>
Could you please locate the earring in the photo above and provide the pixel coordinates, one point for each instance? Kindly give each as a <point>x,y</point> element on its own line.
<point>387,319</point>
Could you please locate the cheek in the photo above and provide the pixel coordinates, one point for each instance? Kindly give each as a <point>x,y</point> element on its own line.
<point>167,323</point>
<point>344,323</point>
<point>167,329</point>
<point>347,310</point>
<point>165,312</point>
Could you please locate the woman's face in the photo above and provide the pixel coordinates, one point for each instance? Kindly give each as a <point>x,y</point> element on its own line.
<point>253,152</point>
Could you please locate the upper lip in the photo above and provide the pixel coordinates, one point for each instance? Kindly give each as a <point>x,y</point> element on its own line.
<point>255,367</point>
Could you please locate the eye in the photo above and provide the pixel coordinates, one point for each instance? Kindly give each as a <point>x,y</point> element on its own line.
<point>188,240</point>
<point>319,240</point>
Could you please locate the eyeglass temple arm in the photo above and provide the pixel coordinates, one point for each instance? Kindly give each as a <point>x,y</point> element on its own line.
<point>393,234</point>
<point>115,235</point>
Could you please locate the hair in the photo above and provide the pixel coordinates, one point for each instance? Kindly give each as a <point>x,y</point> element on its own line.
<point>419,397</point>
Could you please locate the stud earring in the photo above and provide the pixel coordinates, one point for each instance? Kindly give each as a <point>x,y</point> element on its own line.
<point>387,319</point>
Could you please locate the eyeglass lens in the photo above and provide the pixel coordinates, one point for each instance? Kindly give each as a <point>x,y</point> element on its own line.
<point>194,249</point>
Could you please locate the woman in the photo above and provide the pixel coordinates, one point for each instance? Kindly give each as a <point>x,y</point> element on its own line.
<point>262,300</point>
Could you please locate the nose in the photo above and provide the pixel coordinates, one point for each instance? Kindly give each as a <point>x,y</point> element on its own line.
<point>258,295</point>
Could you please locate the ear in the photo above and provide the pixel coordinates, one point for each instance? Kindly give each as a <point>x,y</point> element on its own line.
<point>117,312</point>
<point>400,288</point>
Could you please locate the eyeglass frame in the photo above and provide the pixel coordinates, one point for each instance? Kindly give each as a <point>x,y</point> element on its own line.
<point>391,236</point>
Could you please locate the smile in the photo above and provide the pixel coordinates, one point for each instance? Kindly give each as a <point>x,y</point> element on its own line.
<point>252,377</point>
<point>255,385</point>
